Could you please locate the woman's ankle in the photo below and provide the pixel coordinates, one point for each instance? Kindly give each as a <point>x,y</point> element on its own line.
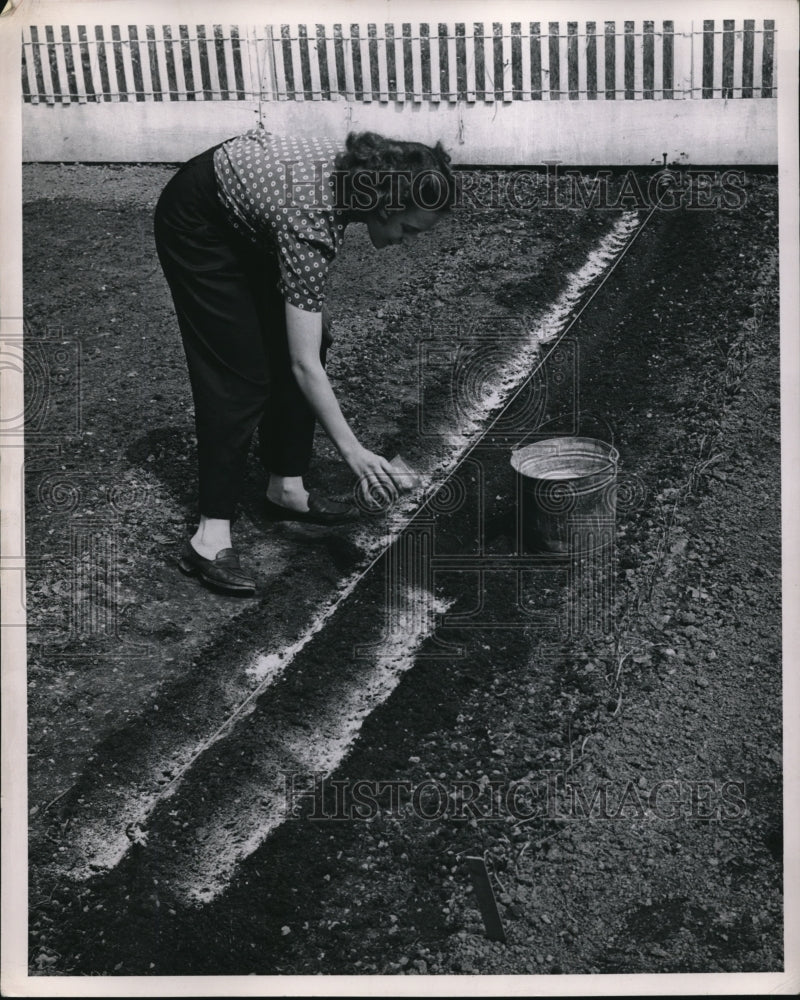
<point>212,536</point>
<point>288,491</point>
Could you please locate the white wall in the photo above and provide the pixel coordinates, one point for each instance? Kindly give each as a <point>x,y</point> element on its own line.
<point>580,133</point>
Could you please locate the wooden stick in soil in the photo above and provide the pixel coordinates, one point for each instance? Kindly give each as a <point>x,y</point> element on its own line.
<point>486,901</point>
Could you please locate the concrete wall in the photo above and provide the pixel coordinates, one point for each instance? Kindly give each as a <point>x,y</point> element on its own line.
<point>574,132</point>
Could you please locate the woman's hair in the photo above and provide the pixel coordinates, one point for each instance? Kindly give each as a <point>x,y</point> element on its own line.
<point>390,175</point>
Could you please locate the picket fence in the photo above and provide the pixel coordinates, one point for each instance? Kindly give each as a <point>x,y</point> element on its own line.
<point>407,62</point>
<point>386,72</point>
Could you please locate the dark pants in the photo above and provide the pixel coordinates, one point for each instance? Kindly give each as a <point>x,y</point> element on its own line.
<point>232,321</point>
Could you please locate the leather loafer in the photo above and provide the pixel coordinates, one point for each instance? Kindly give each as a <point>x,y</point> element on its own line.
<point>320,511</point>
<point>223,572</point>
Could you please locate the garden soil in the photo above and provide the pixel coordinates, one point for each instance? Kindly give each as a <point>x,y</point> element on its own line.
<point>651,748</point>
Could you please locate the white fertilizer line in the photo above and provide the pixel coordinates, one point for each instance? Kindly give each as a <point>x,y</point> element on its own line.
<point>260,804</point>
<point>507,380</point>
<point>104,842</point>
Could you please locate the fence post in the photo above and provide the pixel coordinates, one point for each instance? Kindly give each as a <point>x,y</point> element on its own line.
<point>684,61</point>
<point>260,65</point>
<point>269,74</point>
<point>28,46</point>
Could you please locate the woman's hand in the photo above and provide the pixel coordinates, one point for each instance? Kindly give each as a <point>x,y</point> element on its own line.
<point>378,482</point>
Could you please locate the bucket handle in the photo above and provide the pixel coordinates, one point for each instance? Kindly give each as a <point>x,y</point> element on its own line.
<point>578,433</point>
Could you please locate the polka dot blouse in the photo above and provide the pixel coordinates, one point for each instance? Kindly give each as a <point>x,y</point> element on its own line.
<point>278,193</point>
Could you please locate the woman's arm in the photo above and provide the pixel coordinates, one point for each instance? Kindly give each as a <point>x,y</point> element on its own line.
<point>304,332</point>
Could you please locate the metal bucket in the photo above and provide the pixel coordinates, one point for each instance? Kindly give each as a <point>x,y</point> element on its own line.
<point>566,489</point>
